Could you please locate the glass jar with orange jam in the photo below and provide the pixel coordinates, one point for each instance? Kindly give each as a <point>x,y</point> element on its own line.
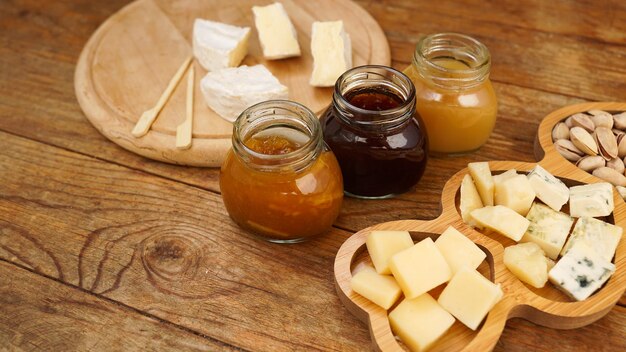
<point>279,180</point>
<point>454,95</point>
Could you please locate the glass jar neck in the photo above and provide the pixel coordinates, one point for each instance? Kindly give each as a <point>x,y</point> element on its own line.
<point>452,61</point>
<point>282,118</point>
<point>375,84</point>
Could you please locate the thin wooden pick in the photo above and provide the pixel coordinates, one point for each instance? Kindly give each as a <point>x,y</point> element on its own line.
<point>184,130</point>
<point>149,116</point>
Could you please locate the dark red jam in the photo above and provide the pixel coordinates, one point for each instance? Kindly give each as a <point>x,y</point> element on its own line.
<point>386,155</point>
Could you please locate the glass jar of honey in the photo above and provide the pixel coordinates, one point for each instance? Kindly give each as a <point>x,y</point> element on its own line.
<point>455,97</point>
<point>279,180</point>
<point>375,132</point>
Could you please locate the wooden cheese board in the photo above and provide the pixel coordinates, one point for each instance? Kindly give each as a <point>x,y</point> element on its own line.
<point>546,306</point>
<point>129,61</point>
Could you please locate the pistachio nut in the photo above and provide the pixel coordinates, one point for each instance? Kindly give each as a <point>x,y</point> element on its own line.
<point>619,121</point>
<point>560,131</point>
<point>616,164</point>
<point>603,120</point>
<point>568,150</point>
<point>622,191</point>
<point>610,175</point>
<point>568,122</point>
<point>590,162</point>
<point>606,142</point>
<point>584,121</point>
<point>596,112</point>
<point>583,140</point>
<point>621,146</point>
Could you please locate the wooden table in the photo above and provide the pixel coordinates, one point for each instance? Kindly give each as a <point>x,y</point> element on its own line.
<point>101,249</point>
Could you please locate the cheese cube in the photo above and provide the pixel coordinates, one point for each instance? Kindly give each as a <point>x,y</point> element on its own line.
<point>382,245</point>
<point>232,90</point>
<point>277,34</point>
<point>332,53</point>
<point>380,289</point>
<point>599,235</point>
<point>484,182</point>
<point>548,228</point>
<point>528,262</point>
<point>591,200</point>
<point>458,250</point>
<point>581,271</point>
<point>470,199</point>
<point>419,268</point>
<point>420,322</point>
<point>515,193</point>
<point>548,188</point>
<point>499,178</point>
<point>502,220</point>
<point>219,45</point>
<point>469,296</point>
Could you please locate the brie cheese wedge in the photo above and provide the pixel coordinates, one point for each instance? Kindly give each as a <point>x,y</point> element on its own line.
<point>218,45</point>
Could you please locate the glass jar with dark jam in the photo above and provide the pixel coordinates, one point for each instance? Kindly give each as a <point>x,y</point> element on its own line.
<point>280,181</point>
<point>375,132</point>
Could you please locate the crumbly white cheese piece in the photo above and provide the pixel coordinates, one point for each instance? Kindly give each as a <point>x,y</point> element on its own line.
<point>581,271</point>
<point>332,52</point>
<point>591,200</point>
<point>484,181</point>
<point>528,263</point>
<point>548,228</point>
<point>458,250</point>
<point>420,322</point>
<point>515,193</point>
<point>502,220</point>
<point>597,234</point>
<point>277,34</point>
<point>380,289</point>
<point>232,90</point>
<point>470,200</point>
<point>382,245</point>
<point>218,45</point>
<point>420,268</point>
<point>549,189</point>
<point>469,296</point>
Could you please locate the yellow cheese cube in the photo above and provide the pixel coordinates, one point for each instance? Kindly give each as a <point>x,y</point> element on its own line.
<point>469,296</point>
<point>420,268</point>
<point>420,322</point>
<point>470,199</point>
<point>382,245</point>
<point>516,193</point>
<point>380,289</point>
<point>528,262</point>
<point>499,178</point>
<point>458,250</point>
<point>484,182</point>
<point>503,220</point>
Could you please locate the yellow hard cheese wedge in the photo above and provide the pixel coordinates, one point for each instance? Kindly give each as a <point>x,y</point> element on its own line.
<point>420,268</point>
<point>528,262</point>
<point>484,182</point>
<point>380,289</point>
<point>382,245</point>
<point>469,296</point>
<point>458,250</point>
<point>420,322</point>
<point>515,193</point>
<point>470,199</point>
<point>502,220</point>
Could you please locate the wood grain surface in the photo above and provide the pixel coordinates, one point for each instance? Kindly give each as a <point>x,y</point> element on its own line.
<point>147,229</point>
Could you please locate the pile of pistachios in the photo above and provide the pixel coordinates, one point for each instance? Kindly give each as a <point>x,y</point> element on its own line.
<point>595,142</point>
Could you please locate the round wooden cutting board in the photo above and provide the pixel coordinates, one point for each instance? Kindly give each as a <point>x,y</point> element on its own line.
<point>128,62</point>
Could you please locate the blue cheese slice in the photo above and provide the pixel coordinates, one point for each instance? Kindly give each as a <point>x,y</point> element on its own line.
<point>548,228</point>
<point>591,200</point>
<point>549,189</point>
<point>581,272</point>
<point>599,235</point>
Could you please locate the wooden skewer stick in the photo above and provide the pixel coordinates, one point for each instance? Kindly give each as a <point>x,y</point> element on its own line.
<point>184,130</point>
<point>149,116</point>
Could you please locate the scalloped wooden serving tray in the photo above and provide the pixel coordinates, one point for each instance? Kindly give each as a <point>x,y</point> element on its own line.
<point>547,306</point>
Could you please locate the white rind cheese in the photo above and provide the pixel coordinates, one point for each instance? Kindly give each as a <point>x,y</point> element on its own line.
<point>548,228</point>
<point>549,189</point>
<point>591,200</point>
<point>481,173</point>
<point>470,200</point>
<point>232,90</point>
<point>515,193</point>
<point>277,34</point>
<point>581,271</point>
<point>332,53</point>
<point>599,235</point>
<point>218,45</point>
<point>502,220</point>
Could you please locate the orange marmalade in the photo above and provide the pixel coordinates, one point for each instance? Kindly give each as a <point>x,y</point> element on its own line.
<point>279,180</point>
